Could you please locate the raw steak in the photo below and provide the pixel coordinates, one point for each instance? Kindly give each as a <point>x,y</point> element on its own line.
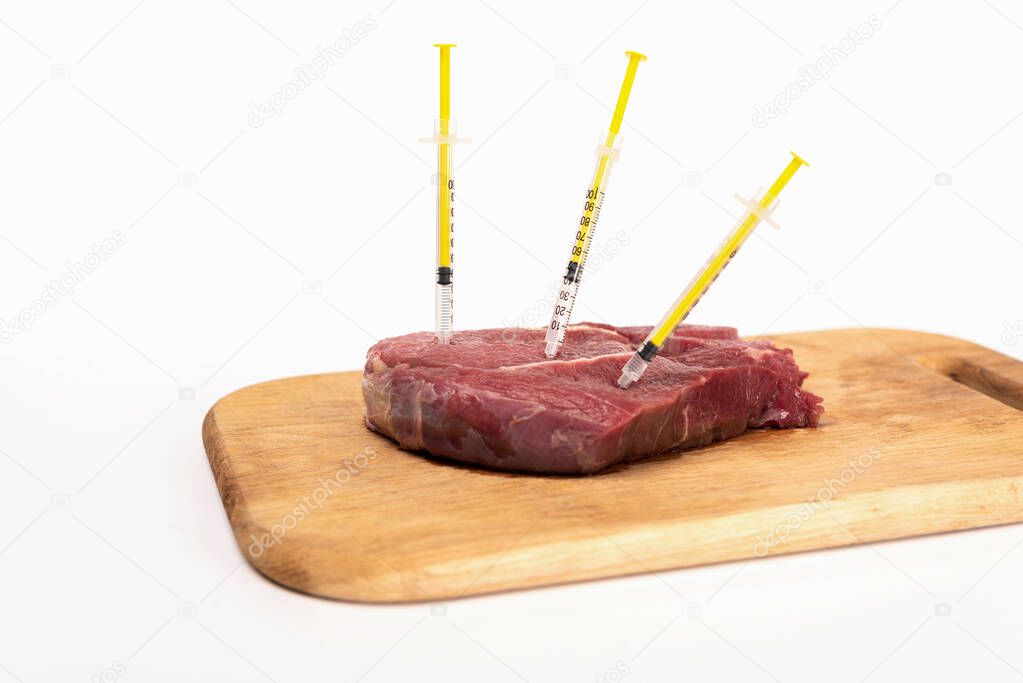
<point>492,398</point>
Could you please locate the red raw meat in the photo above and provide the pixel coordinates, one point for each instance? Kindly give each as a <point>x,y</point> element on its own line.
<point>492,398</point>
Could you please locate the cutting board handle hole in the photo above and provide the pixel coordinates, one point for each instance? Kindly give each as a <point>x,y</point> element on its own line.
<point>977,377</point>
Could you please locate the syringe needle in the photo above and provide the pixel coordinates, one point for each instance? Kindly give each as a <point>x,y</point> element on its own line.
<point>607,154</point>
<point>758,210</point>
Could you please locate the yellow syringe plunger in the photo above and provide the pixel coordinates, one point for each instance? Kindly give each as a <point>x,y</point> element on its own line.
<point>444,160</point>
<point>783,180</point>
<point>758,210</point>
<point>445,85</point>
<point>623,95</point>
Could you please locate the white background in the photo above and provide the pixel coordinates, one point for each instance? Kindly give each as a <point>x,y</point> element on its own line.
<point>258,252</point>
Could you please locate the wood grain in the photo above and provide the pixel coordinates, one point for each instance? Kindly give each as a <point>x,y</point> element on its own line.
<point>920,436</point>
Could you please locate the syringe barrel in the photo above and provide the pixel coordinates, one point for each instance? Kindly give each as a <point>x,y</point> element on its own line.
<point>445,135</point>
<point>560,316</point>
<point>595,194</point>
<point>445,312</point>
<point>582,239</point>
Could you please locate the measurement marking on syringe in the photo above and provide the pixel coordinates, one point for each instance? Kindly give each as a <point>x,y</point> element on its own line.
<point>607,154</point>
<point>574,273</point>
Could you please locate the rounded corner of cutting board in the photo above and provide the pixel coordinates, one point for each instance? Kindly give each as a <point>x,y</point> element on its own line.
<point>260,388</point>
<point>266,392</point>
<point>354,575</point>
<point>321,568</point>
<point>209,422</point>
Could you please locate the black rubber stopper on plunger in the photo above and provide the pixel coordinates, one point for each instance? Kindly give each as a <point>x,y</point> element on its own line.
<point>648,351</point>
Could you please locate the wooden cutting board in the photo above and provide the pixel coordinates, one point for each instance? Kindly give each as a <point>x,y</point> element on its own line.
<point>922,434</point>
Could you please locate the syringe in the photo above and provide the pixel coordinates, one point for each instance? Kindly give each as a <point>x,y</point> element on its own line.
<point>758,210</point>
<point>607,154</point>
<point>444,137</point>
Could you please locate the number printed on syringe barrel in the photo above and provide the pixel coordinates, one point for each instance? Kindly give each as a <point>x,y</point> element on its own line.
<point>445,294</point>
<point>562,313</point>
